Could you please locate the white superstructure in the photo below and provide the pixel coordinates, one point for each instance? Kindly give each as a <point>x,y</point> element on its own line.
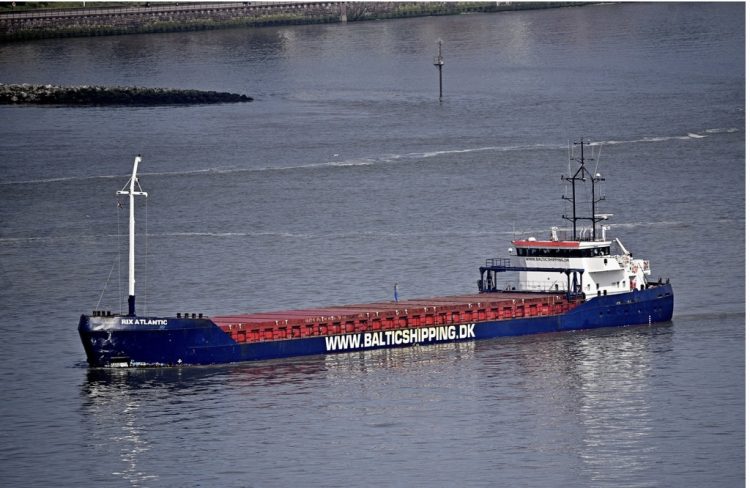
<point>601,267</point>
<point>582,261</point>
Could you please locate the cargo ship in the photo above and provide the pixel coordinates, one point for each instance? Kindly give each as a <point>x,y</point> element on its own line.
<point>568,280</point>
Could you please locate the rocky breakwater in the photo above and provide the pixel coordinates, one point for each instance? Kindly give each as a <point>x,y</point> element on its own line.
<point>111,95</point>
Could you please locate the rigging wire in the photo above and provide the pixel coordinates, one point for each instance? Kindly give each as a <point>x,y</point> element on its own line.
<point>105,284</point>
<point>115,262</point>
<point>119,253</point>
<point>145,267</point>
<point>597,160</point>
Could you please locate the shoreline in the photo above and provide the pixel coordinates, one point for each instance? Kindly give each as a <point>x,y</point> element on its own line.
<point>146,18</point>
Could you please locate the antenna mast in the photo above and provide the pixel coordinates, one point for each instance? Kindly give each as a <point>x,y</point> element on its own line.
<point>131,192</point>
<point>580,175</point>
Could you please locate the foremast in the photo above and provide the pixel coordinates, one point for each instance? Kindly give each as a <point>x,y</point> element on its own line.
<point>130,190</point>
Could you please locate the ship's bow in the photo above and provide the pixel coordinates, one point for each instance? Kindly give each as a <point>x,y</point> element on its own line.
<point>111,341</point>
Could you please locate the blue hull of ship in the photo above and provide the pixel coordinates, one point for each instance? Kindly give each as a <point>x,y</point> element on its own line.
<point>160,341</point>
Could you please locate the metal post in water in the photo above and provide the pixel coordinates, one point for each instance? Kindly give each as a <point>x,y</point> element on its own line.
<point>439,64</point>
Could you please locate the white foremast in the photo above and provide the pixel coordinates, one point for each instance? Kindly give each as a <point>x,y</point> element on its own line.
<point>131,192</point>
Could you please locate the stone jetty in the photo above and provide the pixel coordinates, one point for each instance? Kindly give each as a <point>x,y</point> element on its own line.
<point>111,95</point>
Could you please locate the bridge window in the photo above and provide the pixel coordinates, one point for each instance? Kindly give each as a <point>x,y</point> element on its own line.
<point>563,253</point>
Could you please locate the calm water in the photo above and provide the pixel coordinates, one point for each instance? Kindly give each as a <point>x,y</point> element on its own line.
<point>343,177</point>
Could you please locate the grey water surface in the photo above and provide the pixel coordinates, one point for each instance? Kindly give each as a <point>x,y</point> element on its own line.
<point>344,176</point>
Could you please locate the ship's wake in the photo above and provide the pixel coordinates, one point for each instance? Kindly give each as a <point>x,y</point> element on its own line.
<point>411,234</point>
<point>388,158</point>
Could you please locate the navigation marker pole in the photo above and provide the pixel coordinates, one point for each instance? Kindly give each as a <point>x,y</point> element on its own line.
<point>131,192</point>
<point>439,65</point>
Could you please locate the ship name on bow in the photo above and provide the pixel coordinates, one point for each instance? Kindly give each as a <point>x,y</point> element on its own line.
<point>143,321</point>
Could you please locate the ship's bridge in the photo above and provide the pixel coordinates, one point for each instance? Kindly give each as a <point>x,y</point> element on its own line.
<point>580,261</point>
<point>561,249</point>
<point>578,267</point>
